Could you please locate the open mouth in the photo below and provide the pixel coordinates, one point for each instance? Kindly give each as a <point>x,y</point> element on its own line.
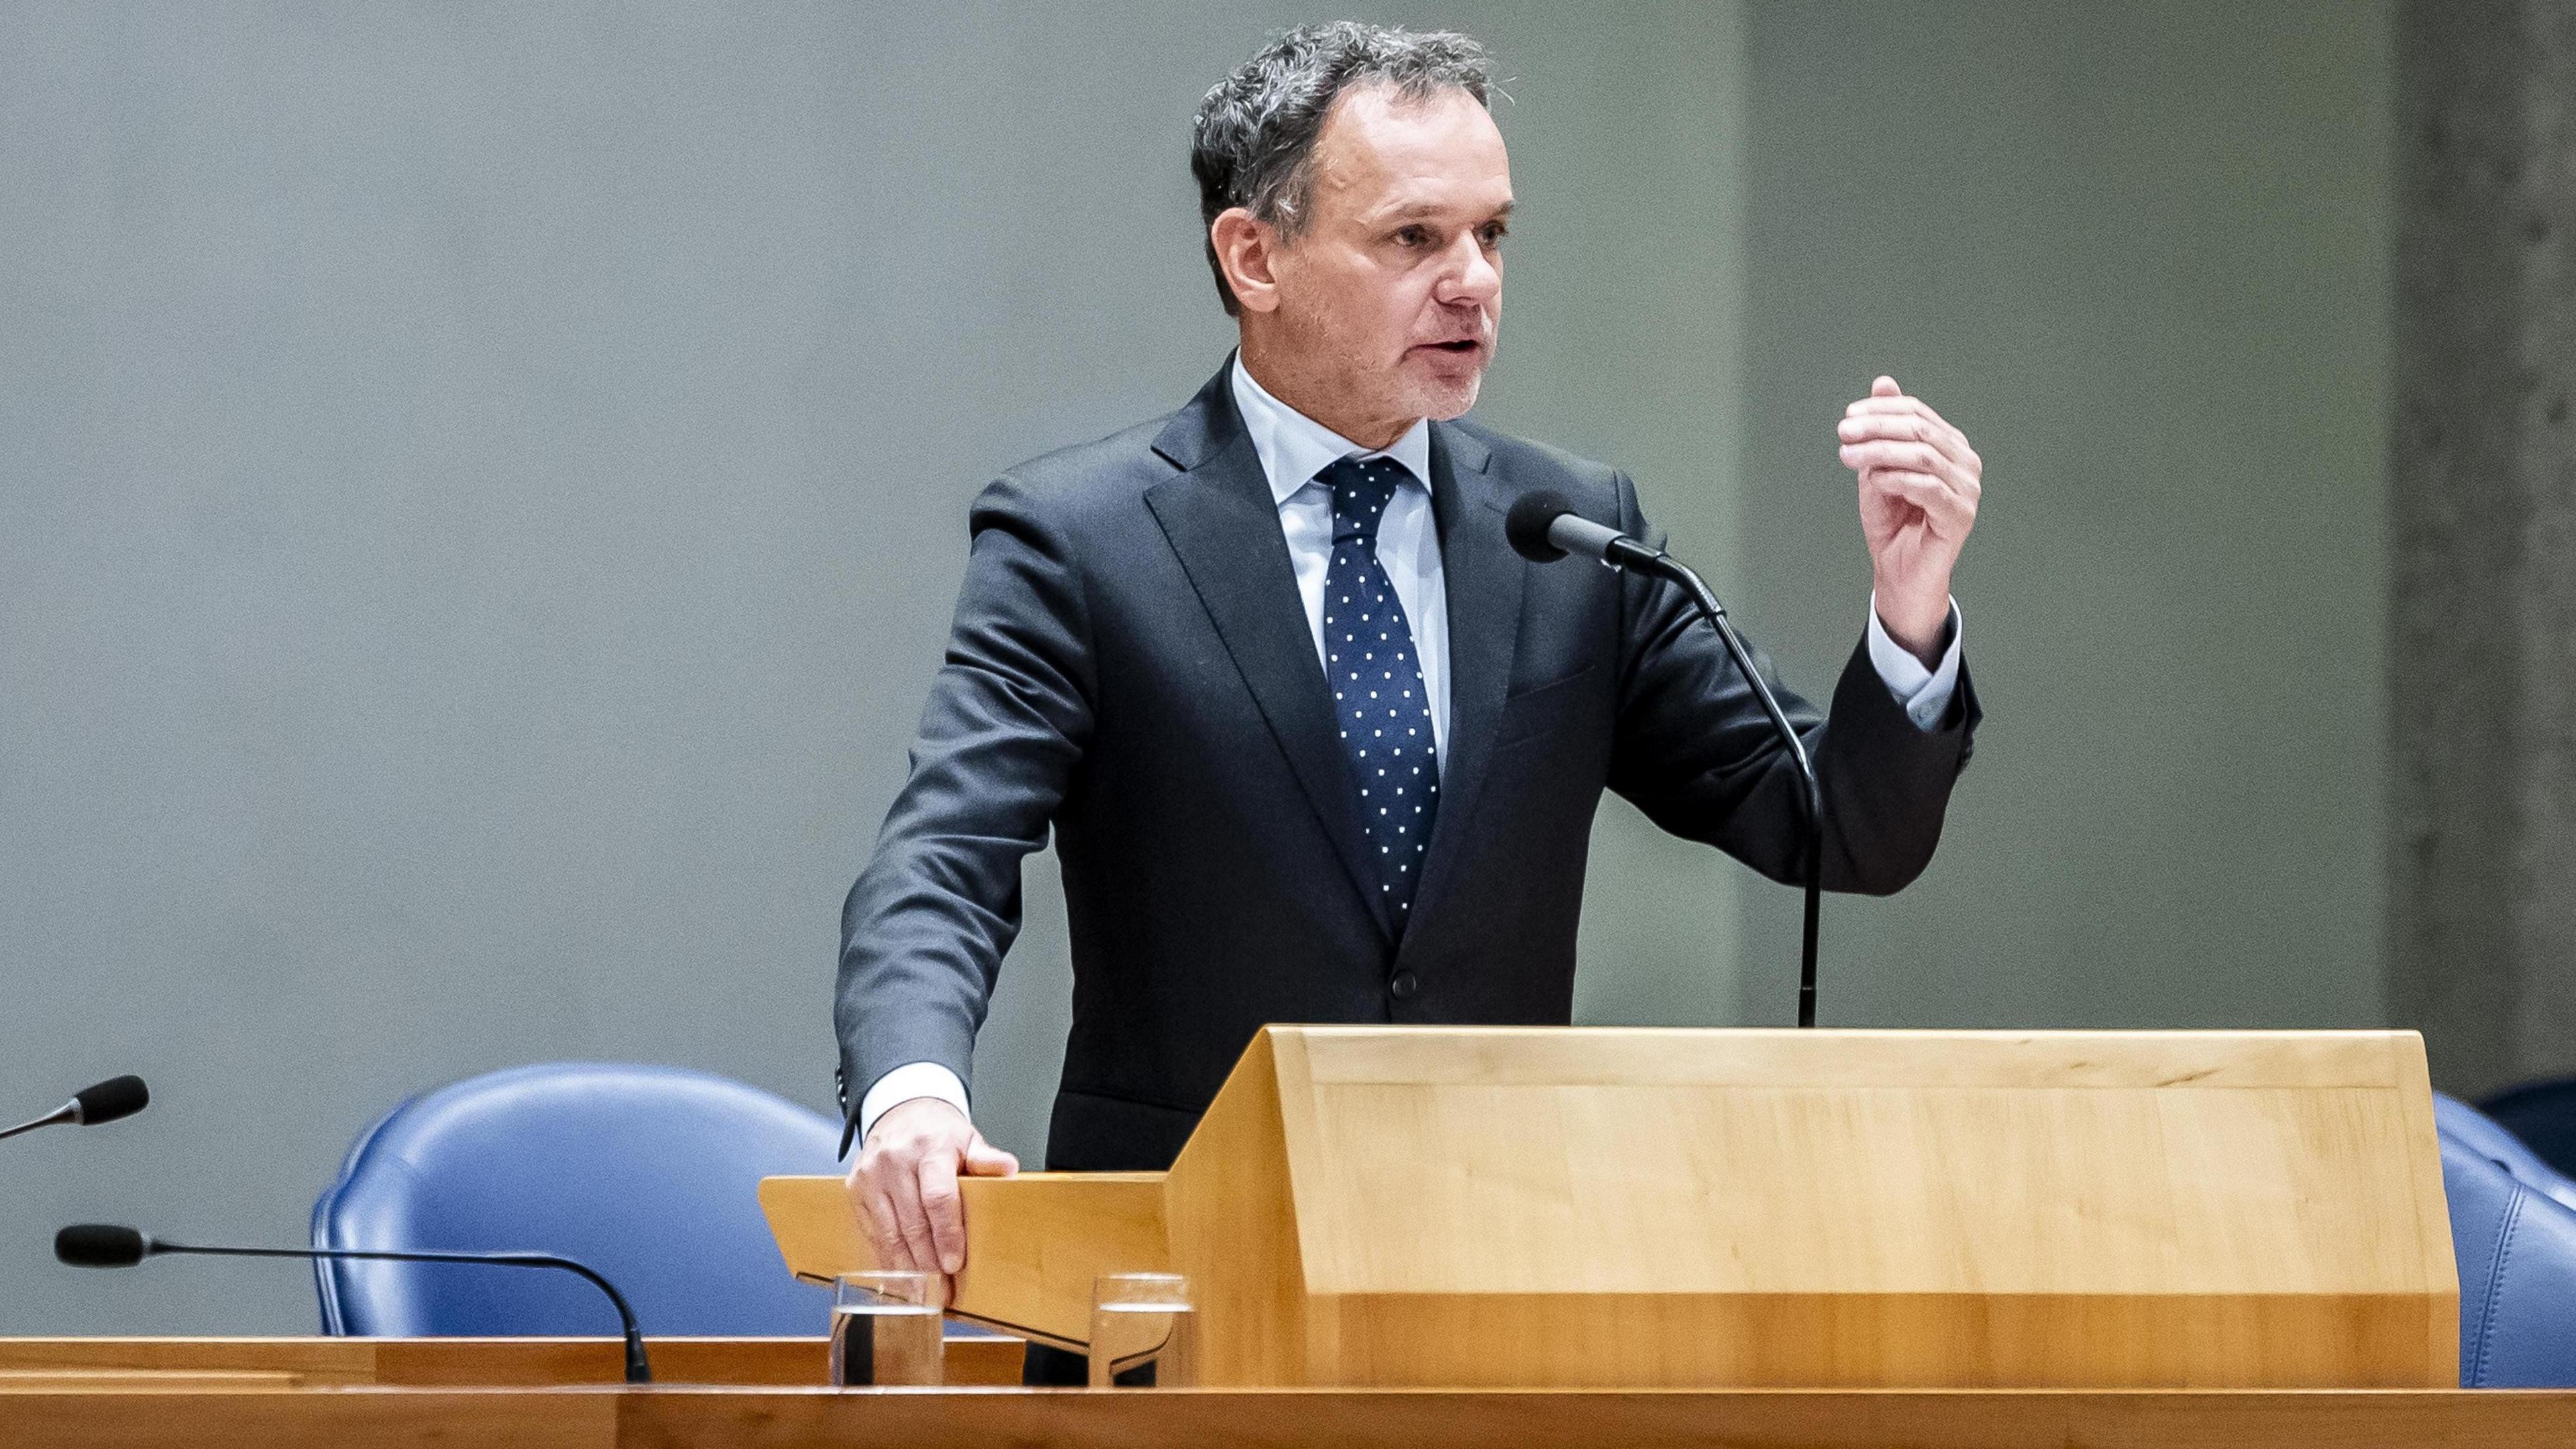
<point>1461,347</point>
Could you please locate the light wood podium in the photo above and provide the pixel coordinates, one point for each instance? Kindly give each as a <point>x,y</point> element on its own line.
<point>1378,1207</point>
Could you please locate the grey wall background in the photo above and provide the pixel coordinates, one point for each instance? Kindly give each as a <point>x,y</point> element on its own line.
<point>483,489</point>
<point>2140,254</point>
<point>2482,604</point>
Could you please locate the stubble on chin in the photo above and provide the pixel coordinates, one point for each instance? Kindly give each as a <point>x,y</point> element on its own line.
<point>1452,401</point>
<point>1441,399</point>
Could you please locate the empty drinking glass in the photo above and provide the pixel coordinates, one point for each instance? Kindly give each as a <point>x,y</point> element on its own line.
<point>886,1328</point>
<point>1143,1332</point>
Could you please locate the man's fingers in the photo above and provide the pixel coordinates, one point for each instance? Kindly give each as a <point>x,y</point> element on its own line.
<point>865,1202</point>
<point>1941,504</point>
<point>1888,402</point>
<point>903,1197</point>
<point>1914,458</point>
<point>1885,387</point>
<point>876,1216</point>
<point>1873,405</point>
<point>892,1252</point>
<point>1911,457</point>
<point>885,1221</point>
<point>884,1237</point>
<point>940,1210</point>
<point>983,1159</point>
<point>1908,428</point>
<point>1905,417</point>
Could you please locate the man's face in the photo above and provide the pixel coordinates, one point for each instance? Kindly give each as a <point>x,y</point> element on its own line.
<point>1391,297</point>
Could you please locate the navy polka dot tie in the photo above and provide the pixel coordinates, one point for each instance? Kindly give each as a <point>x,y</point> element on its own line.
<point>1383,711</point>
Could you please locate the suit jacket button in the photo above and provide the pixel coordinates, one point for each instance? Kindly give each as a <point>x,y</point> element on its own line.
<point>1405,985</point>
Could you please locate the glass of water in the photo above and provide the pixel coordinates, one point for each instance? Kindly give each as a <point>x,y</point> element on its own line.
<point>886,1328</point>
<point>1144,1333</point>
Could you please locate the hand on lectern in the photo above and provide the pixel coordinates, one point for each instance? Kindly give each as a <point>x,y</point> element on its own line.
<point>904,1184</point>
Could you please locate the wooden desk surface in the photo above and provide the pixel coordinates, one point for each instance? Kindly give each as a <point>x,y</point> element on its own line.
<point>757,1394</point>
<point>32,1363</point>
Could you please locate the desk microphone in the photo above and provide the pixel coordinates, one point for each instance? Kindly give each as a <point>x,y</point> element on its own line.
<point>112,1245</point>
<point>116,1097</point>
<point>1543,528</point>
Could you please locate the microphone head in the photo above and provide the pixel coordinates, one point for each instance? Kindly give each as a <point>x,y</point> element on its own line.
<point>1527,524</point>
<point>116,1097</point>
<point>100,1245</point>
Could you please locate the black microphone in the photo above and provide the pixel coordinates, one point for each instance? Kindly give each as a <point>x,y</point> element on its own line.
<point>1543,528</point>
<point>113,1245</point>
<point>105,1102</point>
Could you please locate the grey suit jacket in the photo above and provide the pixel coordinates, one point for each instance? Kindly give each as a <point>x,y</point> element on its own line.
<point>1131,667</point>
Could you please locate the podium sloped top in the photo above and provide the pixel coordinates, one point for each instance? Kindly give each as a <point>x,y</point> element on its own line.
<point>1620,1161</point>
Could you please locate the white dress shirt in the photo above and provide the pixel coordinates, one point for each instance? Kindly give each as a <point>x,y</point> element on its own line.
<point>1294,448</point>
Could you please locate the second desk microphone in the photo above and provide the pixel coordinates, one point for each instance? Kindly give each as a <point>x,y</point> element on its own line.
<point>113,1245</point>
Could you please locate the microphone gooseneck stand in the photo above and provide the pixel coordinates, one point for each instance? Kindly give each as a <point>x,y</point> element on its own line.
<point>1542,527</point>
<point>53,1120</point>
<point>1665,566</point>
<point>90,1252</point>
<point>639,1370</point>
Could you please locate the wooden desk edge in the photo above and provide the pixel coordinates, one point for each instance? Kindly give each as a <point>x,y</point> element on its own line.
<point>683,1417</point>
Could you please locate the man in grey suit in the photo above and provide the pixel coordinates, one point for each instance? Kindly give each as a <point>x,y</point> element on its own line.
<point>1315,743</point>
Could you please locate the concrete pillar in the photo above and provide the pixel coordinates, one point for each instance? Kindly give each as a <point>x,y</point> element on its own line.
<point>2482,924</point>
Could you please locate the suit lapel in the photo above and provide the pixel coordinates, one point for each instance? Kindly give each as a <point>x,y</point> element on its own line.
<point>1483,579</point>
<point>1224,525</point>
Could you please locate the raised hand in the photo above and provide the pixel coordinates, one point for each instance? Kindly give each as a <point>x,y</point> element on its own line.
<point>1919,482</point>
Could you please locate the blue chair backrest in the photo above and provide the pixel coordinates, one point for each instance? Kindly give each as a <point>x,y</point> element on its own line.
<point>2488,1137</point>
<point>2517,1256</point>
<point>648,1174</point>
<point>2543,1115</point>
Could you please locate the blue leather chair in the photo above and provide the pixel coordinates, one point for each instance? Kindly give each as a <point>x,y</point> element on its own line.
<point>2517,1256</point>
<point>2543,1115</point>
<point>2488,1138</point>
<point>648,1174</point>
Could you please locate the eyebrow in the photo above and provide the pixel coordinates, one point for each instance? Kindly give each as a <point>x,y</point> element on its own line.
<point>1419,209</point>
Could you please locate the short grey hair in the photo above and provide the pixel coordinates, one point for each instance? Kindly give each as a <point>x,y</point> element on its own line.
<point>1256,130</point>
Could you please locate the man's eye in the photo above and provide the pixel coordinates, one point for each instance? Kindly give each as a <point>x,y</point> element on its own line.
<point>1495,232</point>
<point>1411,236</point>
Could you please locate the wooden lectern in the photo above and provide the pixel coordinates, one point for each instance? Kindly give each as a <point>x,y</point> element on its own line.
<point>1533,1207</point>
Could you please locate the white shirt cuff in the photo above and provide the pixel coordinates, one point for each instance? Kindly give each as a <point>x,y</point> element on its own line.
<point>913,1079</point>
<point>1924,693</point>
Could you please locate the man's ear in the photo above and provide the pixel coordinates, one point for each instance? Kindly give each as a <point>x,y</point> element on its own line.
<point>1245,247</point>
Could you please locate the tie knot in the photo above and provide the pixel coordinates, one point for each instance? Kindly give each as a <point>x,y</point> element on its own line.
<point>1361,488</point>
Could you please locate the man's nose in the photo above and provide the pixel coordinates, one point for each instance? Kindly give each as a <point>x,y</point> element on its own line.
<point>1470,276</point>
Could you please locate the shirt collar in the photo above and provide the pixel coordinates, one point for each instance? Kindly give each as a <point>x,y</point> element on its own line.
<point>1294,447</point>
